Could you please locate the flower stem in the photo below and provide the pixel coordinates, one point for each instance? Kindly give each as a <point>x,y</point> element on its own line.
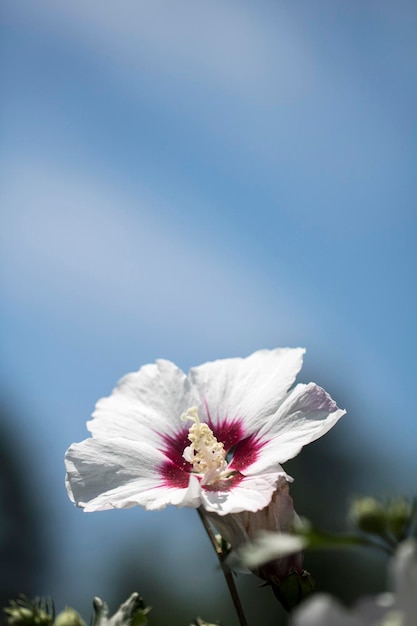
<point>227,572</point>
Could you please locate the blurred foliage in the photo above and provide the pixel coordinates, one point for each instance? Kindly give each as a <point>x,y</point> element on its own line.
<point>41,612</point>
<point>24,557</point>
<point>26,612</point>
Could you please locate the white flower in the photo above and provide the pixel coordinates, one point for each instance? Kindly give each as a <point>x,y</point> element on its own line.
<point>215,438</point>
<point>388,609</point>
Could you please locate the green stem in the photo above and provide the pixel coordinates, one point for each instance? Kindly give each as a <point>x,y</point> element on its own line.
<point>227,572</point>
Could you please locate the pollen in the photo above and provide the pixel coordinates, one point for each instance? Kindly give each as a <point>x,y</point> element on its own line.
<point>206,454</point>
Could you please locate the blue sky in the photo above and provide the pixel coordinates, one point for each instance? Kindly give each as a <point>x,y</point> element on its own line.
<point>193,180</point>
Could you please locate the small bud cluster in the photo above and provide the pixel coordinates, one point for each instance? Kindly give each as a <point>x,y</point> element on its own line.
<point>24,612</point>
<point>389,520</point>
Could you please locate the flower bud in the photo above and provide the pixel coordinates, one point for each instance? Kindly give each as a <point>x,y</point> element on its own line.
<point>369,515</point>
<point>399,513</point>
<point>294,589</point>
<point>239,529</point>
<point>69,617</point>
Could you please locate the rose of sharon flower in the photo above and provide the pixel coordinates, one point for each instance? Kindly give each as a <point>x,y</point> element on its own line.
<point>387,609</point>
<point>213,439</point>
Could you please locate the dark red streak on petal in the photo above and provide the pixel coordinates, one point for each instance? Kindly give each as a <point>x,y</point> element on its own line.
<point>175,446</point>
<point>245,453</point>
<point>228,431</point>
<point>173,476</point>
<point>175,471</point>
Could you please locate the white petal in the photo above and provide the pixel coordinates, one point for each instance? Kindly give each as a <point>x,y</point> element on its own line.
<point>323,609</point>
<point>106,474</point>
<point>266,547</point>
<point>380,609</point>
<point>250,388</point>
<point>307,413</point>
<point>405,573</point>
<point>252,493</point>
<point>143,405</point>
<point>230,527</point>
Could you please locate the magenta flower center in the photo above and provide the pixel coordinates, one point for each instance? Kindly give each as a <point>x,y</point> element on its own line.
<point>215,451</point>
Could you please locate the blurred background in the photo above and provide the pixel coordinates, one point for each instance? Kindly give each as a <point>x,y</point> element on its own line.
<point>193,180</point>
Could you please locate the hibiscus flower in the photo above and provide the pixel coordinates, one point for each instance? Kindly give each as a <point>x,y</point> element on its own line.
<point>214,439</point>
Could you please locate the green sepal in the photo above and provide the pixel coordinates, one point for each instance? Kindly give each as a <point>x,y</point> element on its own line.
<point>293,589</point>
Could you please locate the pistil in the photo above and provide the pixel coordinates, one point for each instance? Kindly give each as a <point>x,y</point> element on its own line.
<point>206,454</point>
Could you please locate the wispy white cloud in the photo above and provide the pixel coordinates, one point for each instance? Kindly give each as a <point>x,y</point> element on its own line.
<point>224,45</point>
<point>258,81</point>
<point>79,245</point>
